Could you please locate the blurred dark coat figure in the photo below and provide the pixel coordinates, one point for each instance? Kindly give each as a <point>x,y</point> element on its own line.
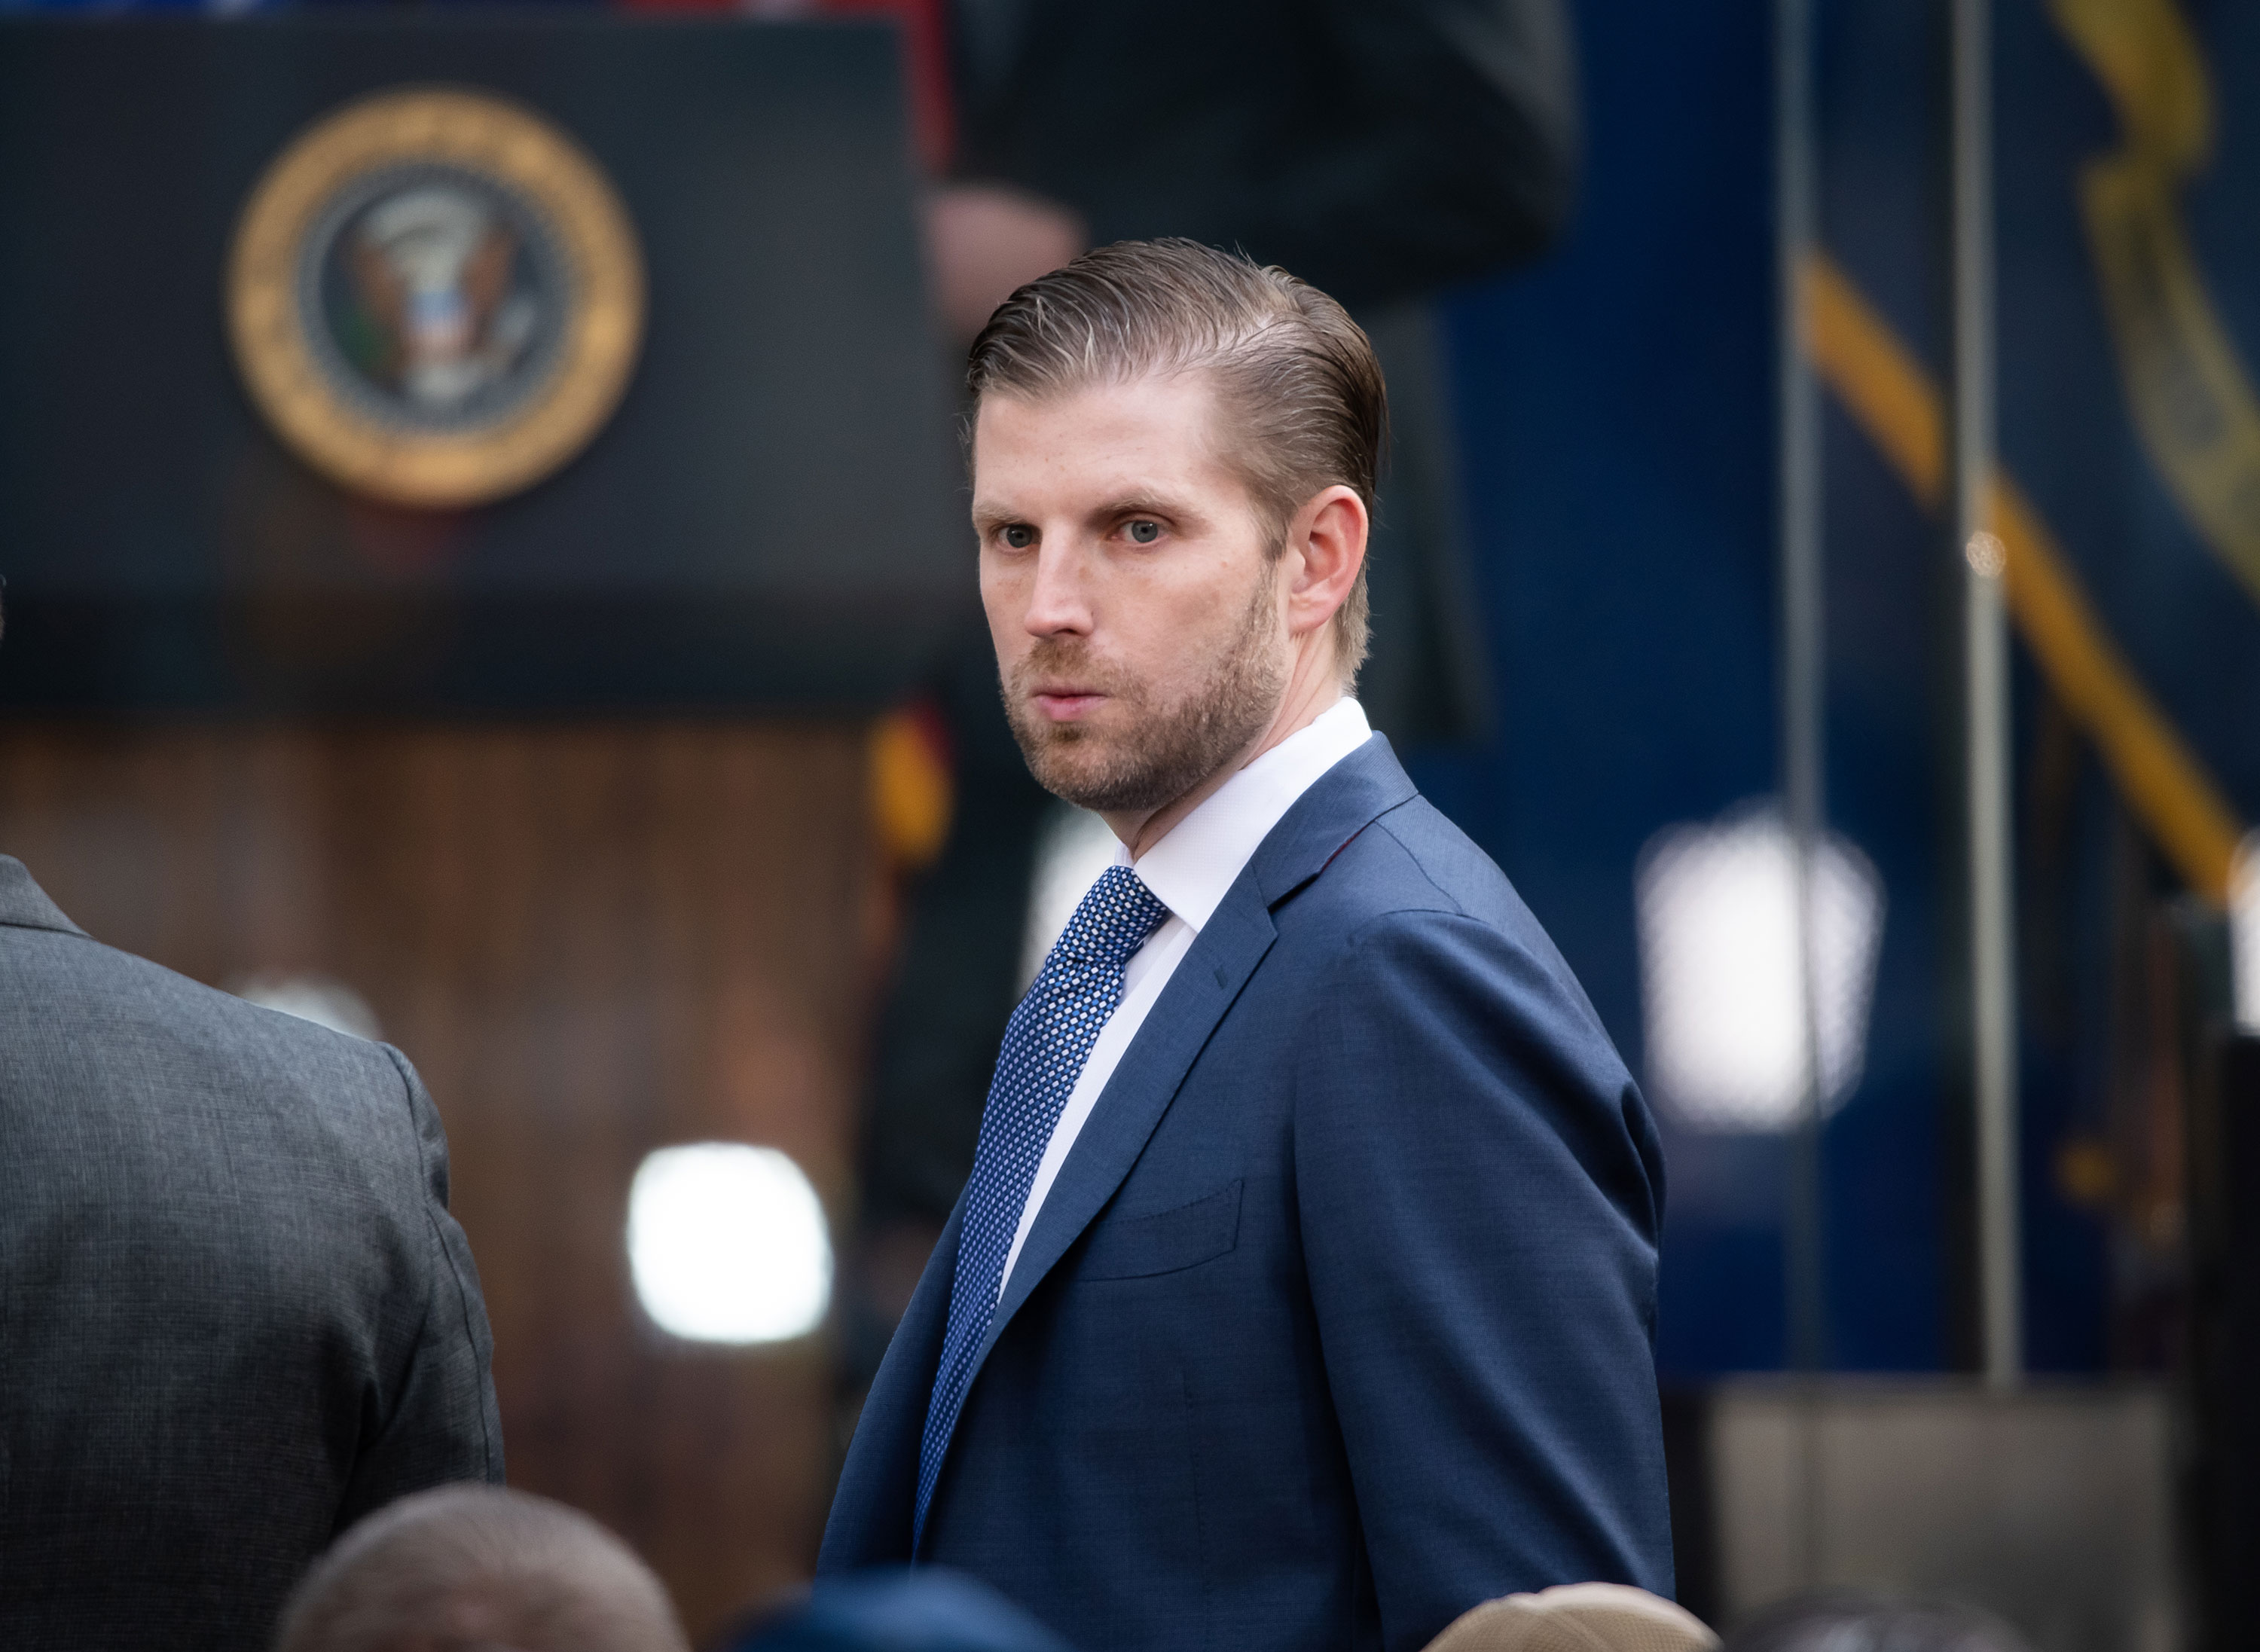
<point>235,1313</point>
<point>480,1569</point>
<point>901,1609</point>
<point>1847,1622</point>
<point>1379,149</point>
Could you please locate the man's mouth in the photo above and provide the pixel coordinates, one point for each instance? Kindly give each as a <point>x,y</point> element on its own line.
<point>1065,703</point>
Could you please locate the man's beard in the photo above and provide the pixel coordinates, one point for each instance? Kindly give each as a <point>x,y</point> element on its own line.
<point>1167,750</point>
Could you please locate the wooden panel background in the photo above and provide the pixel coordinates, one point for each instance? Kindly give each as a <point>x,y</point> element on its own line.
<point>592,941</point>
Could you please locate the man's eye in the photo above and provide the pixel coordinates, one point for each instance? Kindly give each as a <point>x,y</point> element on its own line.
<point>1019,536</point>
<point>1144,532</point>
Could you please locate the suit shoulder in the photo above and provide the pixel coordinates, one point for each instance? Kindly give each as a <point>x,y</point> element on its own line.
<point>1411,875</point>
<point>1412,859</point>
<point>1430,1000</point>
<point>114,1031</point>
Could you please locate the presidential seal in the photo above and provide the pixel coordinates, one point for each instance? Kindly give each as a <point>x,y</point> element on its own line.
<point>435,298</point>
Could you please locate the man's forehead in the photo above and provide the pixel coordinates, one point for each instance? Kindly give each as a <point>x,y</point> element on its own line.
<point>1142,434</point>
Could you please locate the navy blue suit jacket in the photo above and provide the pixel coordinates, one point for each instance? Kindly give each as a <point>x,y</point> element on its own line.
<point>1339,1316</point>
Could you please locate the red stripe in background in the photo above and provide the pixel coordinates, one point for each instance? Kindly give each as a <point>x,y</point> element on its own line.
<point>925,42</point>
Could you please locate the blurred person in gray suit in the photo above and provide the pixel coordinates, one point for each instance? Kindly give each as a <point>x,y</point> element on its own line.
<point>235,1313</point>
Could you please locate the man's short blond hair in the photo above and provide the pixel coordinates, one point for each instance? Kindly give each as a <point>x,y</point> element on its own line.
<point>1300,390</point>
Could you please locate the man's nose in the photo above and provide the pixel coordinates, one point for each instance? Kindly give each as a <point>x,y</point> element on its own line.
<point>1059,600</point>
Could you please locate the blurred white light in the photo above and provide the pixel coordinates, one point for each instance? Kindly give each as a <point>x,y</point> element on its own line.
<point>1072,848</point>
<point>2245,931</point>
<point>728,1243</point>
<point>1727,1040</point>
<point>310,998</point>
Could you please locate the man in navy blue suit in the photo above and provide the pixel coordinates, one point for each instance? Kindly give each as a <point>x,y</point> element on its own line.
<point>1304,1293</point>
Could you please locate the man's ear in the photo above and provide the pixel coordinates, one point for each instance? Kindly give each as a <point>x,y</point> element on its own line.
<point>1327,540</point>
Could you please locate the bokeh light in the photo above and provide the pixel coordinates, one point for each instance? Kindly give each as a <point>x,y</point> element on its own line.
<point>728,1243</point>
<point>1074,847</point>
<point>1726,1029</point>
<point>310,998</point>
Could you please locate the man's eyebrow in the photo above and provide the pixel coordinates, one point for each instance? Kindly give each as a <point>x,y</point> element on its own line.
<point>1141,504</point>
<point>987,518</point>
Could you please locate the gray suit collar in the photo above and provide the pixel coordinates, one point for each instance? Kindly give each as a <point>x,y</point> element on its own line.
<point>24,903</point>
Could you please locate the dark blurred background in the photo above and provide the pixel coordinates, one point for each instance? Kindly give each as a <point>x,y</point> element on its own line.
<point>663,802</point>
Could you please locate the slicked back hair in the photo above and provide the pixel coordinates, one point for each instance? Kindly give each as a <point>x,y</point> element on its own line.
<point>1299,390</point>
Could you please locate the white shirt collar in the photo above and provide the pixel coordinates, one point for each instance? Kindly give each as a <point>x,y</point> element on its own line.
<point>1196,862</point>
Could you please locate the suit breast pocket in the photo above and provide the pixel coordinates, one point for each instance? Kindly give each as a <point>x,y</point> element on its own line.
<point>1135,1247</point>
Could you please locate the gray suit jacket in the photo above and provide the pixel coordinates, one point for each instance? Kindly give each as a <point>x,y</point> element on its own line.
<point>235,1313</point>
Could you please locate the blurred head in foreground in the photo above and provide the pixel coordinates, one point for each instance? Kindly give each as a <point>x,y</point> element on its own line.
<point>1867,1623</point>
<point>479,1568</point>
<point>1175,452</point>
<point>1578,1618</point>
<point>902,1609</point>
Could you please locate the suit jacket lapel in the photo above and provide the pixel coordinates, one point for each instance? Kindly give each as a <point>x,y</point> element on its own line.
<point>1214,969</point>
<point>1237,935</point>
<point>1343,801</point>
<point>873,1509</point>
<point>878,1486</point>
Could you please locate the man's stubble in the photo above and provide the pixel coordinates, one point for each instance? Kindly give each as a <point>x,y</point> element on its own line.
<point>1167,750</point>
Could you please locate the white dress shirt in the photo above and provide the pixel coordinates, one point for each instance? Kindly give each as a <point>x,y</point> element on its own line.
<point>1188,872</point>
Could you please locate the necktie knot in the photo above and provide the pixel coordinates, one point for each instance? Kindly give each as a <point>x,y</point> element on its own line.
<point>1112,920</point>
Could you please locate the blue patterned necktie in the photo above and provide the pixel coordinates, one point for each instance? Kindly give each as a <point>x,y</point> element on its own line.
<point>1046,1044</point>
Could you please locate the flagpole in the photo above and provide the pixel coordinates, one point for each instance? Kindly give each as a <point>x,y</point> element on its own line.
<point>1802,641</point>
<point>1986,682</point>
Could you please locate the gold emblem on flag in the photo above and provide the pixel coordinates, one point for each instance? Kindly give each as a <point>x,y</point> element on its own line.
<point>435,298</point>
